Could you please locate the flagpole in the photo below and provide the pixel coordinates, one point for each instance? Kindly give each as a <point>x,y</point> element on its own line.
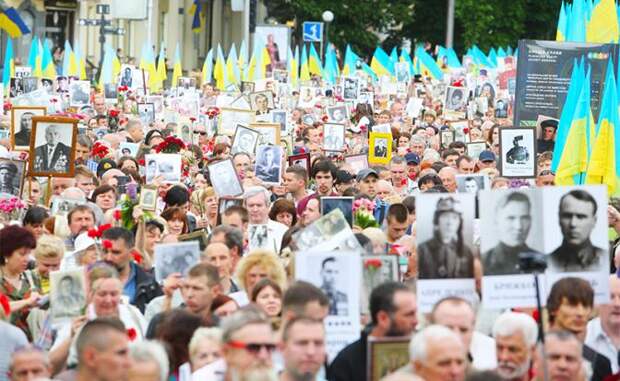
<point>450,25</point>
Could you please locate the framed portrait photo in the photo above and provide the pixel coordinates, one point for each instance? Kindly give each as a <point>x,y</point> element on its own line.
<point>12,174</point>
<point>386,355</point>
<point>345,204</point>
<point>30,84</point>
<point>61,206</point>
<point>176,257</point>
<point>268,166</point>
<point>226,202</point>
<point>472,183</point>
<point>301,160</point>
<point>279,117</point>
<point>229,118</point>
<point>110,92</point>
<point>473,149</point>
<point>67,294</point>
<point>446,137</point>
<point>166,165</point>
<point>247,87</point>
<point>262,101</point>
<point>333,137</point>
<point>517,147</point>
<point>337,114</point>
<point>128,149</point>
<point>148,198</point>
<point>224,179</point>
<point>21,125</point>
<point>380,151</point>
<point>357,162</point>
<point>79,92</point>
<point>52,146</point>
<point>146,112</point>
<point>269,133</point>
<point>350,89</point>
<point>245,140</point>
<point>199,236</point>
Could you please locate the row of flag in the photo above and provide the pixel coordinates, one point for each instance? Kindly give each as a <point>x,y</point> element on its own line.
<point>586,152</point>
<point>589,21</point>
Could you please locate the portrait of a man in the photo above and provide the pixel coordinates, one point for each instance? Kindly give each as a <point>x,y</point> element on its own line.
<point>380,148</point>
<point>22,137</point>
<point>260,104</point>
<point>577,215</point>
<point>68,292</point>
<point>455,99</point>
<point>338,300</point>
<point>446,255</point>
<point>268,164</point>
<point>245,141</point>
<point>513,220</point>
<point>54,155</point>
<point>337,114</point>
<point>9,178</point>
<point>67,295</point>
<point>126,77</point>
<point>334,137</point>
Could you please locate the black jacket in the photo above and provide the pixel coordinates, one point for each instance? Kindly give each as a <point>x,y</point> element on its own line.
<point>350,363</point>
<point>601,367</point>
<point>147,288</point>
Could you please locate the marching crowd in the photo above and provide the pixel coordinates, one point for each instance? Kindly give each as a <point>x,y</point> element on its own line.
<point>239,313</point>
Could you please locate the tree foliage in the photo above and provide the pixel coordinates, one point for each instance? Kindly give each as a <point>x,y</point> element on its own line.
<point>486,23</point>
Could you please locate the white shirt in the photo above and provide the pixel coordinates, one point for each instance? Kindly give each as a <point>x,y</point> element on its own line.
<point>213,372</point>
<point>598,340</point>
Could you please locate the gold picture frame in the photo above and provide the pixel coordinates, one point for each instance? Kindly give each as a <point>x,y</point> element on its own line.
<point>386,355</point>
<point>380,149</point>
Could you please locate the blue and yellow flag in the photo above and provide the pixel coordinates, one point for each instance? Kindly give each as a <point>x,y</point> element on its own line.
<point>293,63</point>
<point>177,70</point>
<point>197,16</point>
<point>8,70</point>
<point>47,62</point>
<point>602,165</point>
<point>12,23</point>
<point>426,66</point>
<point>207,68</point>
<point>560,34</point>
<point>381,64</point>
<point>304,74</point>
<point>603,25</point>
<point>314,61</point>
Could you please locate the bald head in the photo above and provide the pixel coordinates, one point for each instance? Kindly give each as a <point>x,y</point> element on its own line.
<point>384,189</point>
<point>73,193</point>
<point>218,255</point>
<point>448,178</point>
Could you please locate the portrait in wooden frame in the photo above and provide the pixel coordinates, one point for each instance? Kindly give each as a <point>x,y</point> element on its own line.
<point>20,139</point>
<point>56,136</point>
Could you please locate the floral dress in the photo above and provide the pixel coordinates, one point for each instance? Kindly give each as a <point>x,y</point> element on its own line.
<point>18,318</point>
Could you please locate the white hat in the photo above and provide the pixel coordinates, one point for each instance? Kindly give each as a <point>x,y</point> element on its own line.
<point>83,242</point>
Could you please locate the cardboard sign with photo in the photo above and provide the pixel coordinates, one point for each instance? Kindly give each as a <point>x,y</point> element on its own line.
<point>178,257</point>
<point>186,85</point>
<point>229,118</point>
<point>61,206</point>
<point>280,117</point>
<point>474,149</point>
<point>128,149</point>
<point>357,162</point>
<point>262,101</point>
<point>269,133</point>
<point>345,204</point>
<point>472,183</point>
<point>67,294</point>
<point>147,113</point>
<point>517,152</point>
<point>166,165</point>
<point>338,274</point>
<point>224,179</point>
<point>445,247</point>
<point>245,140</point>
<point>12,175</point>
<point>511,245</point>
<point>333,137</point>
<point>338,114</point>
<point>30,84</point>
<point>350,88</point>
<point>268,166</point>
<point>80,93</point>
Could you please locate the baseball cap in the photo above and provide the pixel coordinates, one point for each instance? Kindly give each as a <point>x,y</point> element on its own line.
<point>104,165</point>
<point>364,173</point>
<point>83,242</point>
<point>486,156</point>
<point>343,177</point>
<point>412,158</point>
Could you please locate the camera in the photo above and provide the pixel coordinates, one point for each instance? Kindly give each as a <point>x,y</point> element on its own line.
<point>531,262</point>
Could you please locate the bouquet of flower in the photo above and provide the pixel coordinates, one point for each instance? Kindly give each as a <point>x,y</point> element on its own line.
<point>125,215</point>
<point>11,208</point>
<point>372,272</point>
<point>171,144</point>
<point>362,214</point>
<point>99,150</point>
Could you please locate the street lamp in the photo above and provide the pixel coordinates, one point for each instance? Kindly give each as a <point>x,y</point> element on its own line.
<point>328,16</point>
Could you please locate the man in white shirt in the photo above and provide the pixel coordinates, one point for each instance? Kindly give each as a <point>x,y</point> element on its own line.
<point>603,333</point>
<point>257,203</point>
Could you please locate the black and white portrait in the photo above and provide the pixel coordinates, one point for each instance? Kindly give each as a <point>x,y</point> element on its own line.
<point>279,117</point>
<point>576,229</point>
<point>501,108</point>
<point>474,149</point>
<point>224,179</point>
<point>472,183</point>
<point>269,133</point>
<point>178,257</point>
<point>308,119</point>
<point>67,294</point>
<point>229,118</point>
<point>185,85</point>
<point>356,162</point>
<point>269,164</point>
<point>456,99</point>
<point>227,202</point>
<point>11,177</point>
<point>61,206</point>
<point>333,137</point>
<point>509,228</point>
<point>329,274</point>
<point>148,198</point>
<point>110,91</point>
<point>262,102</point>
<point>245,140</point>
<point>366,97</point>
<point>350,88</point>
<point>47,84</point>
<point>147,113</point>
<point>301,160</point>
<point>345,204</point>
<point>258,236</point>
<point>247,87</point>
<point>126,78</point>
<point>378,269</point>
<point>128,149</point>
<point>164,165</point>
<point>337,114</point>
<point>16,87</point>
<point>380,148</point>
<point>517,152</point>
<point>280,76</point>
<point>79,92</point>
<point>30,84</point>
<point>445,246</point>
<point>54,148</point>
<point>402,71</point>
<point>62,84</point>
<point>21,125</point>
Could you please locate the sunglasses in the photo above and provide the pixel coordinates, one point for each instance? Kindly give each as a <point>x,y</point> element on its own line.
<point>203,133</point>
<point>253,348</point>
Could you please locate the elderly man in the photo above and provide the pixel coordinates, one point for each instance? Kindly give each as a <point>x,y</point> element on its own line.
<point>135,131</point>
<point>149,362</point>
<point>53,156</point>
<point>248,342</point>
<point>459,315</point>
<point>438,354</point>
<point>8,173</point>
<point>515,338</point>
<point>257,203</point>
<point>448,178</point>
<point>29,363</point>
<point>603,332</point>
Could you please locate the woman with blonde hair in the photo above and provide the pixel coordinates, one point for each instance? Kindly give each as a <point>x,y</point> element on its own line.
<point>205,347</point>
<point>258,264</point>
<point>204,204</point>
<point>48,253</point>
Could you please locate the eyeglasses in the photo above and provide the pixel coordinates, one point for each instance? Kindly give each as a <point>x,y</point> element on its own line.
<point>253,348</point>
<point>203,133</point>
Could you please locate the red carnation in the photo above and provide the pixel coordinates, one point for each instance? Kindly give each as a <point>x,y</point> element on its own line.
<point>324,118</point>
<point>104,227</point>
<point>7,106</point>
<point>375,262</point>
<point>94,233</point>
<point>466,130</point>
<point>4,302</point>
<point>132,334</point>
<point>114,113</point>
<point>107,244</point>
<point>137,257</point>
<point>141,162</point>
<point>117,215</point>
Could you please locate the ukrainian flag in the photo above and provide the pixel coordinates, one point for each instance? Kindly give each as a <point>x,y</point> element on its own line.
<point>292,62</point>
<point>162,75</point>
<point>350,61</point>
<point>12,23</point>
<point>426,66</point>
<point>560,34</point>
<point>219,70</point>
<point>47,62</point>
<point>196,11</point>
<point>8,70</point>
<point>603,26</point>
<point>106,75</point>
<point>602,167</point>
<point>381,63</point>
<point>33,55</point>
<point>232,67</point>
<point>177,70</point>
<point>305,71</point>
<point>207,68</point>
<point>314,64</point>
<point>573,162</point>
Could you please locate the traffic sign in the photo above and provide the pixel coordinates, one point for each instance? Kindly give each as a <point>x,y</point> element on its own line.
<point>313,31</point>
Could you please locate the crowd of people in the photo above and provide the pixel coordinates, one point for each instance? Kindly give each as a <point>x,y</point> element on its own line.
<point>239,313</point>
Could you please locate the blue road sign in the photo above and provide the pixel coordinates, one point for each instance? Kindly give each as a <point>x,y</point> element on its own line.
<point>313,31</point>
